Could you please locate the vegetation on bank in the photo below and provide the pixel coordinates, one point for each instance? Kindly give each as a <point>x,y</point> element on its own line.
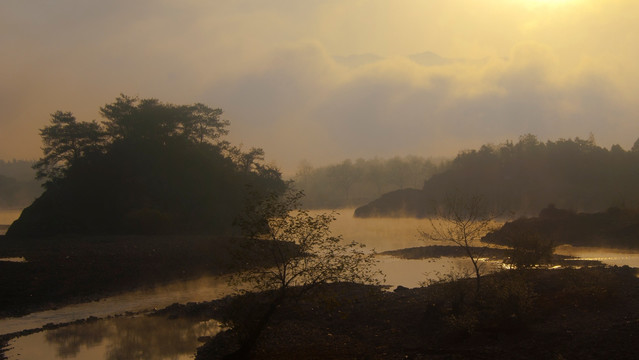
<point>147,168</point>
<point>289,253</point>
<point>525,177</point>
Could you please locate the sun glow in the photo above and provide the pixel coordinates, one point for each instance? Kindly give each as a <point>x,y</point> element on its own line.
<point>549,2</point>
<point>546,4</point>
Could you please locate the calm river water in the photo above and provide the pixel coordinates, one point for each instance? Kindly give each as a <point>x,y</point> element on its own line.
<point>132,337</point>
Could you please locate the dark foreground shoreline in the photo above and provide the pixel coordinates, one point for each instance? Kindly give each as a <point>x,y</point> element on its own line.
<point>588,313</point>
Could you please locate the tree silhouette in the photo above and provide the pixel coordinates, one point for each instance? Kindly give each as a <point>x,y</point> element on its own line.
<point>463,220</point>
<point>294,252</point>
<point>149,167</point>
<point>65,141</point>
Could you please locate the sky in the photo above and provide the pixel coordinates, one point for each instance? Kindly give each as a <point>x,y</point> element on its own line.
<point>323,81</point>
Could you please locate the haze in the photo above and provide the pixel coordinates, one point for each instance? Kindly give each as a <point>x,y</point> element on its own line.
<point>328,80</point>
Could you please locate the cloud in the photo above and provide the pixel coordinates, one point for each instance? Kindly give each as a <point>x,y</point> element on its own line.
<point>314,108</point>
<point>431,78</point>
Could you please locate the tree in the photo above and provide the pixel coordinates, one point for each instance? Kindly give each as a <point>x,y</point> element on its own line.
<point>149,119</point>
<point>291,252</point>
<point>463,220</point>
<point>149,167</point>
<point>204,124</point>
<point>246,161</point>
<point>65,141</point>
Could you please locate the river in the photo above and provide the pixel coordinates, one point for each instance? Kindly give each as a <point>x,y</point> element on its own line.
<point>158,338</point>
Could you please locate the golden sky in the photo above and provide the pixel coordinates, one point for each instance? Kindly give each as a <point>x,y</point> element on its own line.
<point>332,79</point>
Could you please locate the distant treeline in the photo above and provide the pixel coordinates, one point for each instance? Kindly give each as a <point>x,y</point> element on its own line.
<point>526,176</point>
<point>148,168</point>
<point>18,187</point>
<point>353,183</point>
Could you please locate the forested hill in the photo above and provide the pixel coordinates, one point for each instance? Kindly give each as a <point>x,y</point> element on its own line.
<point>148,167</point>
<point>526,176</point>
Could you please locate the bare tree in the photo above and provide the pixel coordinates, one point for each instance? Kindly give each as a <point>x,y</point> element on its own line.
<point>291,251</point>
<point>463,220</point>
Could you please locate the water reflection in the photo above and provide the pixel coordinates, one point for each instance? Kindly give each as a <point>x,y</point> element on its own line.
<point>608,256</point>
<point>143,337</point>
<point>381,234</point>
<point>158,338</point>
<point>413,273</point>
<point>202,289</point>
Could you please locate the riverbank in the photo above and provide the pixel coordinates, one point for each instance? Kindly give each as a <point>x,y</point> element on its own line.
<point>489,253</point>
<point>588,313</point>
<point>68,270</point>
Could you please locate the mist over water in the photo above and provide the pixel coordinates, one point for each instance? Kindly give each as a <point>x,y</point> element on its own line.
<point>383,234</point>
<point>202,289</point>
<point>380,234</point>
<point>608,256</point>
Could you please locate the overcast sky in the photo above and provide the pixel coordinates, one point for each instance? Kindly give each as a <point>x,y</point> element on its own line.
<point>333,79</point>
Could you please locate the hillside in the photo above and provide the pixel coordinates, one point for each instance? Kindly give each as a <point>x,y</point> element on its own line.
<point>148,168</point>
<point>525,177</point>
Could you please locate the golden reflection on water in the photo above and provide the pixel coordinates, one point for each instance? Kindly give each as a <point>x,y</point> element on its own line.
<point>381,234</point>
<point>143,337</point>
<point>608,256</point>
<point>419,272</point>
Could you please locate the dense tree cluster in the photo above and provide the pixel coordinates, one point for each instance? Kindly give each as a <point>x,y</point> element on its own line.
<point>526,176</point>
<point>613,228</point>
<point>353,183</point>
<point>148,167</point>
